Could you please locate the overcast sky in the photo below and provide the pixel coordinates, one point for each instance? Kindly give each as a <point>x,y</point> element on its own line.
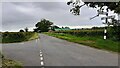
<point>18,15</point>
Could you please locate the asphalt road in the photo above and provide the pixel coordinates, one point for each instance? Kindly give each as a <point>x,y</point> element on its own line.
<point>57,52</point>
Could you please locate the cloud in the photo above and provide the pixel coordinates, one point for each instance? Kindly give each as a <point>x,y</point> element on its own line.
<point>18,15</point>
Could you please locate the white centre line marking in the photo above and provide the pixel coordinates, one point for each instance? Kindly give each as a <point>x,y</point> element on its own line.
<point>41,55</point>
<point>41,58</point>
<point>42,63</point>
<point>40,52</point>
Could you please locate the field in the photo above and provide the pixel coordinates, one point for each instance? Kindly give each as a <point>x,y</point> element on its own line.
<point>90,38</point>
<point>12,37</point>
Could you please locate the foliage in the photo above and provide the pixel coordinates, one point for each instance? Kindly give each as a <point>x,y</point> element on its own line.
<point>113,6</point>
<point>21,30</point>
<point>43,25</point>
<point>7,63</point>
<point>11,37</point>
<point>93,32</point>
<point>26,29</point>
<point>54,27</point>
<point>113,32</point>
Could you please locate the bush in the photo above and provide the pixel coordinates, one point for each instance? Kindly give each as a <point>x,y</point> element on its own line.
<point>114,33</point>
<point>9,37</point>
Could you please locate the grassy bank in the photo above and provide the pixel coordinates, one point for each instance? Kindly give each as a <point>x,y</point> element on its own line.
<point>7,63</point>
<point>96,42</point>
<point>12,37</point>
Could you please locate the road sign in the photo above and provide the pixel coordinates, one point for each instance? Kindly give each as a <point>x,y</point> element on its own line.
<point>108,17</point>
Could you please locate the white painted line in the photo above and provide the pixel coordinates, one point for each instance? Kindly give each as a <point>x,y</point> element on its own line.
<point>40,52</point>
<point>42,63</point>
<point>41,58</point>
<point>41,55</point>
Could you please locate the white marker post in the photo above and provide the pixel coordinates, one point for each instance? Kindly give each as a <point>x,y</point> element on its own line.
<point>105,33</point>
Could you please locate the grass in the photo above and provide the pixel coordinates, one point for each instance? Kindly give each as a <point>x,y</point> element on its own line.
<point>13,37</point>
<point>96,42</point>
<point>7,63</point>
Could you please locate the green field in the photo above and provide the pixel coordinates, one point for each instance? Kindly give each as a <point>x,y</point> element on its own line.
<point>92,41</point>
<point>12,37</point>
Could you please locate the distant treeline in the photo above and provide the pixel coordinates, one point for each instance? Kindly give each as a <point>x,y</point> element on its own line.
<point>10,37</point>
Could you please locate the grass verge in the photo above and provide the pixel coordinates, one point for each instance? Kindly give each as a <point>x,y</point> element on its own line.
<point>7,63</point>
<point>96,42</point>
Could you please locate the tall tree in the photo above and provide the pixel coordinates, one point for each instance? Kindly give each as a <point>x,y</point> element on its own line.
<point>43,25</point>
<point>26,29</point>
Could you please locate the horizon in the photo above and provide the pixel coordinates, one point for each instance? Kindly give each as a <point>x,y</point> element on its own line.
<point>72,27</point>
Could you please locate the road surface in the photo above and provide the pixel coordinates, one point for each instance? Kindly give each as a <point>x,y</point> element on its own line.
<point>57,52</point>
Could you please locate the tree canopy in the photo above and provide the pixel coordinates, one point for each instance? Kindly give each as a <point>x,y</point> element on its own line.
<point>110,6</point>
<point>113,6</point>
<point>43,25</point>
<point>21,30</point>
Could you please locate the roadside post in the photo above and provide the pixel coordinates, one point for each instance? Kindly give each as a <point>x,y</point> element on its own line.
<point>104,18</point>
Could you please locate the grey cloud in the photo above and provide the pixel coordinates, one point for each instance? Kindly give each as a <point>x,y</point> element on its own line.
<point>44,5</point>
<point>17,15</point>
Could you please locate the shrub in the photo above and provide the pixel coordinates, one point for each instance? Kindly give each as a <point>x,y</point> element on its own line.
<point>8,37</point>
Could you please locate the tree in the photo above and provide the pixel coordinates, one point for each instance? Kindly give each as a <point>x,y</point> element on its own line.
<point>54,27</point>
<point>67,28</point>
<point>21,30</point>
<point>111,6</point>
<point>43,25</point>
<point>26,29</point>
<point>35,30</point>
<point>62,27</point>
